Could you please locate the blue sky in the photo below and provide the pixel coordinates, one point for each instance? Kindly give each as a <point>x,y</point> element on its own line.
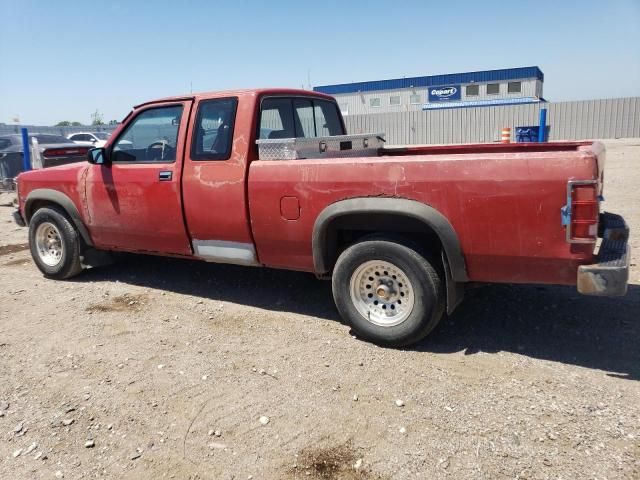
<point>63,60</point>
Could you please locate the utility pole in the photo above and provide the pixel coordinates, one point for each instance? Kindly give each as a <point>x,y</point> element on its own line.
<point>96,118</point>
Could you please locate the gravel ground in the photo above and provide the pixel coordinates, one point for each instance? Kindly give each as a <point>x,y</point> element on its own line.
<point>160,368</point>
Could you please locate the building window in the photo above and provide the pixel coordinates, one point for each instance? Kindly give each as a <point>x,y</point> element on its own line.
<point>374,102</point>
<point>493,88</point>
<point>472,90</point>
<point>514,87</point>
<point>415,98</point>
<point>395,100</point>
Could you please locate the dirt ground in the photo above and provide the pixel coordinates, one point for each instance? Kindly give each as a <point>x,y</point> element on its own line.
<point>159,368</point>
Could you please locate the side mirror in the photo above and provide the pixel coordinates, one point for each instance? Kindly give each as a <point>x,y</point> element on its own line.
<point>97,156</point>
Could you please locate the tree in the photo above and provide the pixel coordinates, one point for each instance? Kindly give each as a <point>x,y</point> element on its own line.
<point>96,118</point>
<point>114,122</point>
<point>76,124</point>
<point>64,123</point>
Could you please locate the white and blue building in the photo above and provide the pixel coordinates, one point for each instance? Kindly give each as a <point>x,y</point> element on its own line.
<point>454,90</point>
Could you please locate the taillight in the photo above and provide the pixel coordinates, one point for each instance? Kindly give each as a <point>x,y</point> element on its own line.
<point>65,152</point>
<point>582,211</point>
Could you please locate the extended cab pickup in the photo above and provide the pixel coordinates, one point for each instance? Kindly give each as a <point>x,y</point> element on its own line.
<point>399,232</point>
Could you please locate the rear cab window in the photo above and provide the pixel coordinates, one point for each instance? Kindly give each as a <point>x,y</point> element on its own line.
<point>213,132</point>
<point>299,117</point>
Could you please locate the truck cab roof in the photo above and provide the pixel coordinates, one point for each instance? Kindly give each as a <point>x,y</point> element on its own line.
<point>237,93</point>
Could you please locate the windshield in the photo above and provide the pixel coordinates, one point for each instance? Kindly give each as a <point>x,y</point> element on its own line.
<point>48,139</point>
<point>102,135</point>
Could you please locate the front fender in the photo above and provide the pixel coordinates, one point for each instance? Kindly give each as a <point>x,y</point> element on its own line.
<point>60,199</point>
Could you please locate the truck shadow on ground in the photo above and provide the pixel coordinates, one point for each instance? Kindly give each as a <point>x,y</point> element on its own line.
<point>545,322</point>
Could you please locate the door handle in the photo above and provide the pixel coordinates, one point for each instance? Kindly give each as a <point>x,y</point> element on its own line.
<point>165,175</point>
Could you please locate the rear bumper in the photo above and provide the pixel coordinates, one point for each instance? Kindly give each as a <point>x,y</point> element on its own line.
<point>17,217</point>
<point>608,277</point>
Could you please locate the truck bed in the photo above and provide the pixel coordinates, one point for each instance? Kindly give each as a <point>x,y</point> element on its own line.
<point>484,148</point>
<point>503,201</point>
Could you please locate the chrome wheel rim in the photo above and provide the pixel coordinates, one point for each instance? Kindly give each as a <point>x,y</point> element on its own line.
<point>382,293</point>
<point>49,244</point>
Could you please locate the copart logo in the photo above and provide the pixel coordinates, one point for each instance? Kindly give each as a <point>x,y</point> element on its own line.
<point>445,92</point>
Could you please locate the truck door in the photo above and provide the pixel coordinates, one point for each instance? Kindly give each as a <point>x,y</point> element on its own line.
<point>214,180</point>
<point>134,200</point>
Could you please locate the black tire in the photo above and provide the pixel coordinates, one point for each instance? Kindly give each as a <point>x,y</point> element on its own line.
<point>425,281</point>
<point>69,263</point>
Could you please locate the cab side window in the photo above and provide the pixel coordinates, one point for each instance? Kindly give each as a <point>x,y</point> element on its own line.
<point>327,119</point>
<point>276,118</point>
<point>213,130</point>
<point>151,137</point>
<point>304,115</point>
<point>298,117</point>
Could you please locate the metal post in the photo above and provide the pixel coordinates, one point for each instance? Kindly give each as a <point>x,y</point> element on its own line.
<point>26,156</point>
<point>542,129</point>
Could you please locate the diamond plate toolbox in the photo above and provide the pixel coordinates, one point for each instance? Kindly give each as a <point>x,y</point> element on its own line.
<point>361,145</point>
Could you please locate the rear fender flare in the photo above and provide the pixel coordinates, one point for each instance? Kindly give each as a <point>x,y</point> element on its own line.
<point>429,216</point>
<point>62,200</point>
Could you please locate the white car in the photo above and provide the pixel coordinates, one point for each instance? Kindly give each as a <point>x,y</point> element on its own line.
<point>95,139</point>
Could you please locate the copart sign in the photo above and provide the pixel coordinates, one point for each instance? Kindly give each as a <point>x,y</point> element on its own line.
<point>444,94</point>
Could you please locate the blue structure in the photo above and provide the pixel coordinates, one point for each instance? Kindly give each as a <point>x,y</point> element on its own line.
<point>543,125</point>
<point>455,90</point>
<point>481,103</point>
<point>434,80</point>
<point>26,155</point>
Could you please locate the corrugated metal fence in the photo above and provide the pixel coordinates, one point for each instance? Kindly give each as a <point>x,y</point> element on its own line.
<point>64,131</point>
<point>586,119</point>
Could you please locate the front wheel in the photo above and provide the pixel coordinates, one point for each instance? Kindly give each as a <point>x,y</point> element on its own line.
<point>54,243</point>
<point>388,292</point>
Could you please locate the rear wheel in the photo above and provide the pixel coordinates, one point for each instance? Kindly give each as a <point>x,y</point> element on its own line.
<point>388,292</point>
<point>54,243</point>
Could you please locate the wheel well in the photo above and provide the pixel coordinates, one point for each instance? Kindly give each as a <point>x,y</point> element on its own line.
<point>35,205</point>
<point>344,221</point>
<point>348,229</point>
<point>69,211</point>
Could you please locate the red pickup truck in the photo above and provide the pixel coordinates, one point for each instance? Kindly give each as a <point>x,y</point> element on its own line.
<point>399,232</point>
